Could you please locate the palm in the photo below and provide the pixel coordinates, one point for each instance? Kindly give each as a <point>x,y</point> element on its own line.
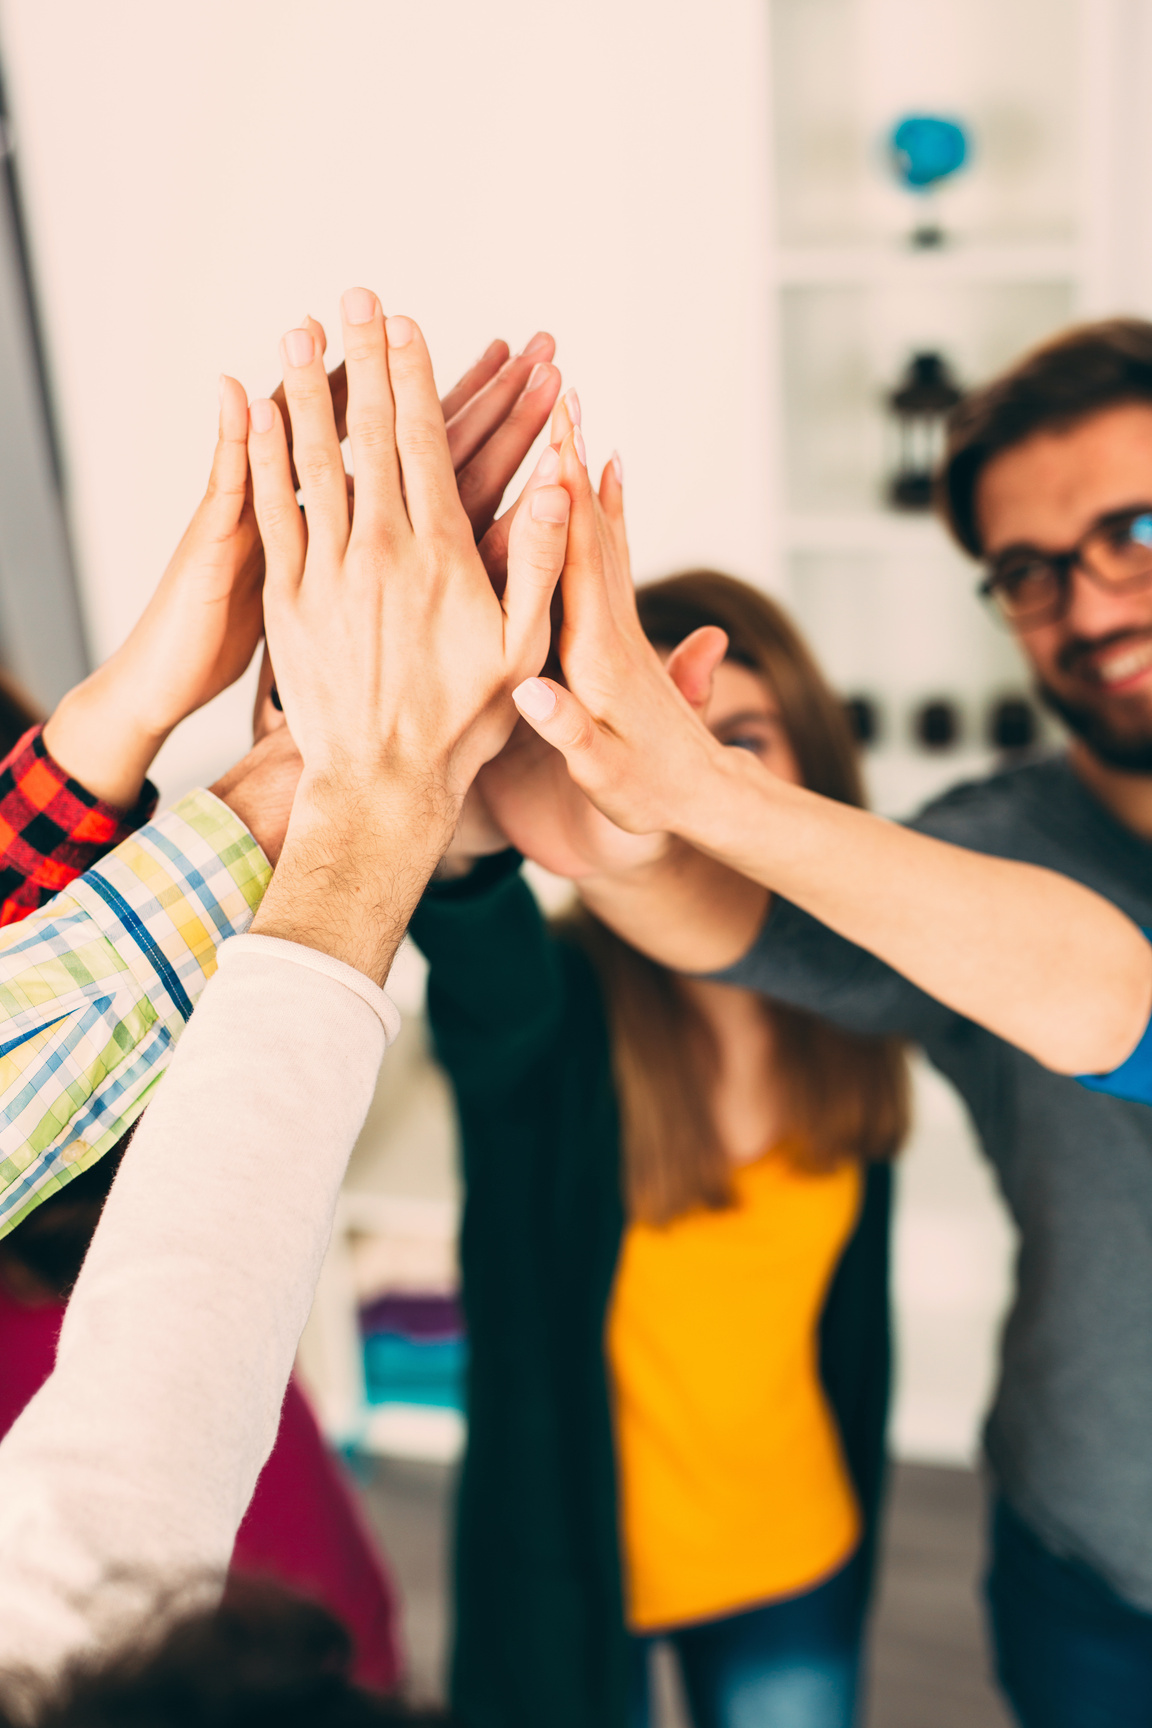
<point>535,803</point>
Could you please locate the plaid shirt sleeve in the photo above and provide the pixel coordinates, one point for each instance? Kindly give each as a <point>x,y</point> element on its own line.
<point>52,829</point>
<point>97,986</point>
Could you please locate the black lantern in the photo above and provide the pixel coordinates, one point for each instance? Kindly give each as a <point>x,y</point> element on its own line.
<point>920,405</point>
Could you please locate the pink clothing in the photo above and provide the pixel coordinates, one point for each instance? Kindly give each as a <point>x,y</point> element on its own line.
<point>302,1528</point>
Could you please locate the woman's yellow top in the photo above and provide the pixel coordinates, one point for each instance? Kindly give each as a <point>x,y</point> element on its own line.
<point>733,1488</point>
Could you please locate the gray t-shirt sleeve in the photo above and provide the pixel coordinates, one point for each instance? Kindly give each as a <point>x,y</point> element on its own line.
<point>797,960</point>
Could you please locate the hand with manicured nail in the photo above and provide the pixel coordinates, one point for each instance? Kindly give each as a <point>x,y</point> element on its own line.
<point>627,727</point>
<point>194,638</point>
<point>526,794</point>
<point>394,656</point>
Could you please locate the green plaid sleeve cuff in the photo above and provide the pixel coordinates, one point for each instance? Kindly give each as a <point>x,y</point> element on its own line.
<point>97,986</point>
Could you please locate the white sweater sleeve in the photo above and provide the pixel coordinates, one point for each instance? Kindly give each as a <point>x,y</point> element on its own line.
<point>130,1470</point>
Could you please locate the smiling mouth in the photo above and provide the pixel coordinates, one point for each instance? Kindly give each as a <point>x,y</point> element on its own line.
<point>1119,664</point>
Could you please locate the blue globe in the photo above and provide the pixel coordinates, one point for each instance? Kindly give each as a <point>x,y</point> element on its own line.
<point>926,149</point>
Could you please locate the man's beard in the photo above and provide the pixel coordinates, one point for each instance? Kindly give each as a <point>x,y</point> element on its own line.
<point>1131,752</point>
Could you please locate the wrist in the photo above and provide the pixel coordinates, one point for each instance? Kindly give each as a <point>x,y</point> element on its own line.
<point>716,807</point>
<point>640,858</point>
<point>355,861</point>
<point>99,740</point>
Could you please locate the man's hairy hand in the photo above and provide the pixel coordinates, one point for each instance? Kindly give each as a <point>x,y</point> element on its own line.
<point>395,658</point>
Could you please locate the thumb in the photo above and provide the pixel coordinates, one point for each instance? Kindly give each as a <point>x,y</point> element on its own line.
<point>563,722</point>
<point>692,665</point>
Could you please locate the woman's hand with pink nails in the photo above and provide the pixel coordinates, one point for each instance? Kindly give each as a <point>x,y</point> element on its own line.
<point>195,637</point>
<point>628,729</point>
<point>528,791</point>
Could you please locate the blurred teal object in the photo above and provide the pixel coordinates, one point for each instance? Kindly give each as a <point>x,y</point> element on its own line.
<point>926,150</point>
<point>428,1372</point>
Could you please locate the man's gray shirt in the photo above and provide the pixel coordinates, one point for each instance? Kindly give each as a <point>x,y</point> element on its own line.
<point>1069,1437</point>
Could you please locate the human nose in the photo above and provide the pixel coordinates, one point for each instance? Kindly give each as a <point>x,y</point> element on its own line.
<point>1094,609</point>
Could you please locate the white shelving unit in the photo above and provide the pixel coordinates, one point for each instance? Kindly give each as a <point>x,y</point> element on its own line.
<point>1036,224</point>
<point>1046,225</point>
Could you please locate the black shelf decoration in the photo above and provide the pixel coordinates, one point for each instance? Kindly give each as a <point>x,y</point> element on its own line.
<point>936,724</point>
<point>920,405</point>
<point>863,713</point>
<point>1013,724</point>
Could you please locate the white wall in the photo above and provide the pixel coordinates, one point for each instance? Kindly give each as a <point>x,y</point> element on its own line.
<point>197,178</point>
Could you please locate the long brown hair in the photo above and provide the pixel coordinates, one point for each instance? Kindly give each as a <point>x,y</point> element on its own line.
<point>845,1096</point>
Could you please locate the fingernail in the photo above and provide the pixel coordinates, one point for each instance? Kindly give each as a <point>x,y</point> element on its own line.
<point>535,699</point>
<point>490,350</point>
<point>572,403</point>
<point>539,344</point>
<point>617,467</point>
<point>578,446</point>
<point>537,376</point>
<point>359,305</point>
<point>400,331</point>
<point>261,412</point>
<point>550,505</point>
<point>298,347</point>
<point>548,466</point>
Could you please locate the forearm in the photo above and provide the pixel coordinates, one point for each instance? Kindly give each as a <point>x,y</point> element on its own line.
<point>129,1473</point>
<point>354,867</point>
<point>687,910</point>
<point>1035,957</point>
<point>100,740</point>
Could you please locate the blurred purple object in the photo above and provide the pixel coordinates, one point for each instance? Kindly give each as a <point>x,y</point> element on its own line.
<point>422,1317</point>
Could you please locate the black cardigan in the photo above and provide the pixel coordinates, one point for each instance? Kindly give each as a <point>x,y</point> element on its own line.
<point>518,1022</point>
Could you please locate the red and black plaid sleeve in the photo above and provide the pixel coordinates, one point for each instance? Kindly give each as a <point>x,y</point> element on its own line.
<point>52,829</point>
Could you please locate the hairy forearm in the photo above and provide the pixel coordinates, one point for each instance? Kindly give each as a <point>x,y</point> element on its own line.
<point>354,866</point>
<point>1035,957</point>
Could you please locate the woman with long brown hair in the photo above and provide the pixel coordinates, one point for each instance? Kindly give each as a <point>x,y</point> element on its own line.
<point>675,1279</point>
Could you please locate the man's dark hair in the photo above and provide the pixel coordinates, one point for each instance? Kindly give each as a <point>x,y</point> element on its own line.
<point>1087,369</point>
<point>263,1659</point>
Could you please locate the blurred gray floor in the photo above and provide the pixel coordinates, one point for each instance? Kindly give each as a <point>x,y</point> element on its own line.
<point>929,1668</point>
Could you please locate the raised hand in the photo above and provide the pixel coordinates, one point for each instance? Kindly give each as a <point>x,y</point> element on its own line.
<point>194,638</point>
<point>395,658</point>
<point>493,416</point>
<point>526,792</point>
<point>627,726</point>
<point>526,795</point>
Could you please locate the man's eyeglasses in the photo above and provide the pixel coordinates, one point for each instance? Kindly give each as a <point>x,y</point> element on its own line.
<point>1029,588</point>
